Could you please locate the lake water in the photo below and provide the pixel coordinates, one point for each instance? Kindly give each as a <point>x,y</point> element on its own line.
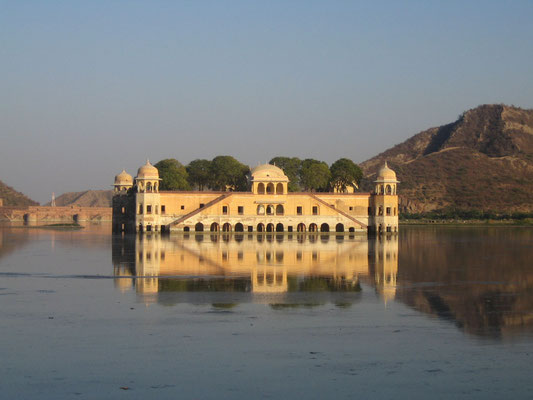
<point>435,312</point>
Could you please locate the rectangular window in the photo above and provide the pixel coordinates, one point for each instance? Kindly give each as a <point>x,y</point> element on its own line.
<point>299,210</point>
<point>201,205</point>
<point>148,209</point>
<point>225,210</point>
<point>183,207</point>
<point>289,228</point>
<point>241,210</point>
<point>163,209</point>
<point>351,208</point>
<point>388,210</point>
<point>140,208</point>
<point>250,228</point>
<point>315,210</point>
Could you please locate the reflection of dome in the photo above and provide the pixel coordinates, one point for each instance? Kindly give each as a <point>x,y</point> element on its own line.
<point>386,174</point>
<point>268,172</point>
<point>123,179</point>
<point>148,171</point>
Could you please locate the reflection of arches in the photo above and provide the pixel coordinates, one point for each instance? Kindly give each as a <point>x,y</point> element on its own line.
<point>226,227</point>
<point>279,227</point>
<point>261,188</point>
<point>279,209</point>
<point>270,228</point>
<point>339,227</point>
<point>239,227</point>
<point>270,188</point>
<point>260,227</point>
<point>324,227</point>
<point>279,188</point>
<point>260,210</point>
<point>313,228</point>
<point>214,227</point>
<point>199,227</point>
<point>270,210</point>
<point>300,227</point>
<point>388,189</point>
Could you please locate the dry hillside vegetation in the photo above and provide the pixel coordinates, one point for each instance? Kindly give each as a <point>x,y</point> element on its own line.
<point>482,161</point>
<point>13,198</point>
<point>88,198</point>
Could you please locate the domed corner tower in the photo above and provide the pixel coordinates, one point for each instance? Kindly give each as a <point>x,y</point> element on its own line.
<point>123,207</point>
<point>147,199</point>
<point>384,202</point>
<point>269,179</point>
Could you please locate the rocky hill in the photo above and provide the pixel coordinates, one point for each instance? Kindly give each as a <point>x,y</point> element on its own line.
<point>11,197</point>
<point>88,198</point>
<point>482,161</point>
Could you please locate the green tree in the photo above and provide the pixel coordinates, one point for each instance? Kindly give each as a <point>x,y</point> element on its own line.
<point>291,167</point>
<point>199,173</point>
<point>314,175</point>
<point>228,173</point>
<point>345,172</point>
<point>173,175</point>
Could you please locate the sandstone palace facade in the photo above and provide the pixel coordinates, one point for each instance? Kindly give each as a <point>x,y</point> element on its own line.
<point>139,206</point>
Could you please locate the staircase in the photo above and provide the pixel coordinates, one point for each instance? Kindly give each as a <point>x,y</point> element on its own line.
<point>198,210</point>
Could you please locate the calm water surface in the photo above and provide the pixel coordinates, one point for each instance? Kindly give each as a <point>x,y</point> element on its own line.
<point>433,313</point>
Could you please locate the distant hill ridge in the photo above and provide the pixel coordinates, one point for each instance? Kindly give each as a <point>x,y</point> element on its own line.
<point>11,197</point>
<point>482,161</point>
<point>87,198</point>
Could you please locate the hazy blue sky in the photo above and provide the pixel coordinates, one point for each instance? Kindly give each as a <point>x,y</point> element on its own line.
<point>90,87</point>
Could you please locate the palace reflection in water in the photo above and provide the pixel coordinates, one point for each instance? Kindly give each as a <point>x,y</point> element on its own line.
<point>281,270</point>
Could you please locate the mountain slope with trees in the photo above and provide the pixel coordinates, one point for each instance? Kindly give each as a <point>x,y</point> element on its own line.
<point>11,197</point>
<point>483,161</point>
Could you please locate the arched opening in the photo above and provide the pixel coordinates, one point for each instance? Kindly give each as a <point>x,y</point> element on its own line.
<point>313,228</point>
<point>199,227</point>
<point>351,229</point>
<point>148,187</point>
<point>186,229</point>
<point>260,227</point>
<point>339,227</point>
<point>279,227</point>
<point>279,188</point>
<point>226,227</point>
<point>239,227</point>
<point>279,209</point>
<point>270,210</point>
<point>388,190</point>
<point>260,210</point>
<point>270,188</point>
<point>270,228</point>
<point>324,227</point>
<point>261,188</point>
<point>300,227</point>
<point>214,227</point>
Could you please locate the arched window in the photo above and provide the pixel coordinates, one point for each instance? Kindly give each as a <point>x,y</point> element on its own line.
<point>352,229</point>
<point>214,227</point>
<point>261,188</point>
<point>226,227</point>
<point>279,209</point>
<point>339,227</point>
<point>324,227</point>
<point>199,227</point>
<point>186,229</point>
<point>279,188</point>
<point>260,209</point>
<point>300,228</point>
<point>260,227</point>
<point>279,227</point>
<point>270,228</point>
<point>270,188</point>
<point>239,227</point>
<point>270,210</point>
<point>313,228</point>
<point>388,189</point>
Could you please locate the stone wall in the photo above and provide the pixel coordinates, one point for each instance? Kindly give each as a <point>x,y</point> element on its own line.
<point>66,214</point>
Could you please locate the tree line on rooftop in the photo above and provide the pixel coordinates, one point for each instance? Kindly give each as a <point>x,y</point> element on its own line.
<point>227,173</point>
